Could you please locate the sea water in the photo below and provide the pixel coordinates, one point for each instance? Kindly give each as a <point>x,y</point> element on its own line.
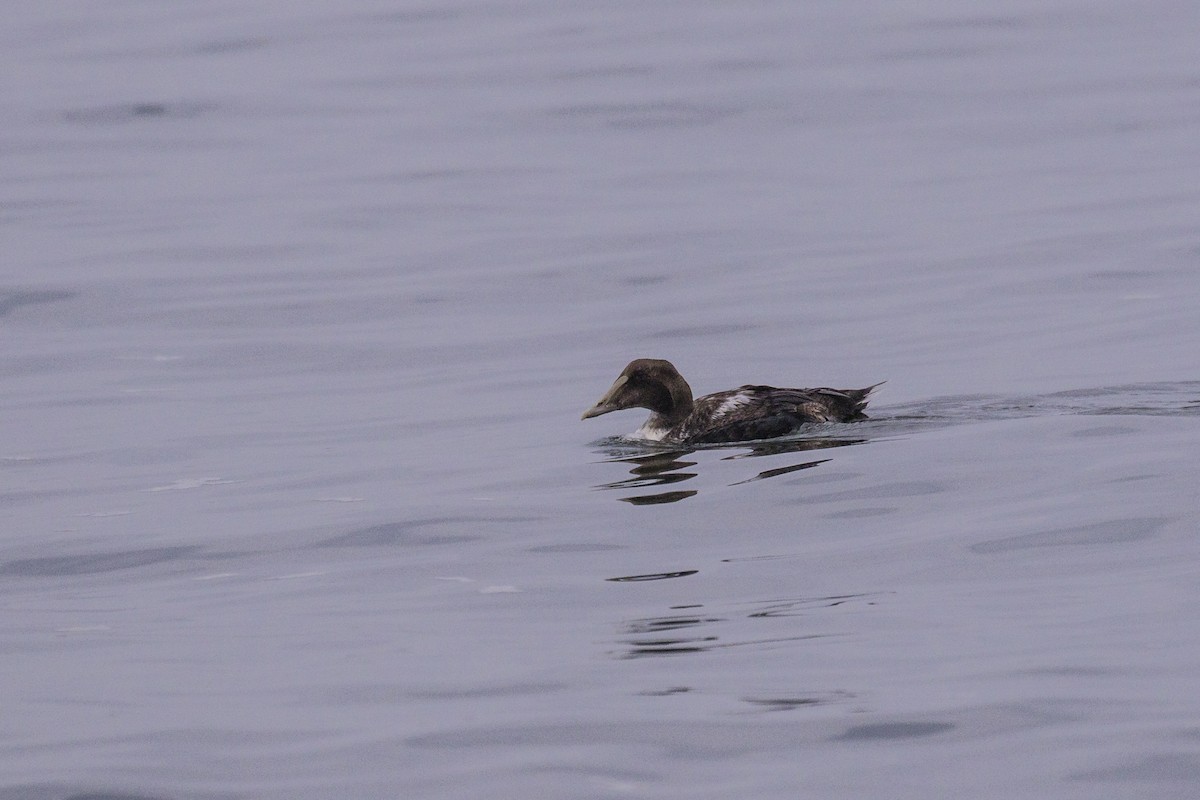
<point>301,303</point>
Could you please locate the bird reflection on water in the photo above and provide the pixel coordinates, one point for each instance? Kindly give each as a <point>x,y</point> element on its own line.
<point>666,467</point>
<point>700,629</point>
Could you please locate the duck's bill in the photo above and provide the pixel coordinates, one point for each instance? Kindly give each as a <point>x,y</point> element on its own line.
<point>597,410</point>
<point>605,404</point>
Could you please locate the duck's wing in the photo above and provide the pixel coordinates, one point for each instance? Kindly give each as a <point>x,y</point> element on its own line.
<point>828,405</point>
<point>763,412</point>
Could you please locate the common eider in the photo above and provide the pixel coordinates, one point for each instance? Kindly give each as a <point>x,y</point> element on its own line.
<point>738,415</point>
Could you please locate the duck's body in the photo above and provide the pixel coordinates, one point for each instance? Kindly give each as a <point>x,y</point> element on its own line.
<point>738,415</point>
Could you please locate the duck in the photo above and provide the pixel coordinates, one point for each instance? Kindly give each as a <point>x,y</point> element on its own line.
<point>743,414</point>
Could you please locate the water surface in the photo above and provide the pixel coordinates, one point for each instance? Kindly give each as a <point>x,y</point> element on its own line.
<point>301,305</point>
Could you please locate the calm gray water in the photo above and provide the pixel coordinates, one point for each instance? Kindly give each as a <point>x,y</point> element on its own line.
<point>301,302</point>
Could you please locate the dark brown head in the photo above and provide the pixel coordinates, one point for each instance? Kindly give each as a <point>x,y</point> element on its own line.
<point>647,383</point>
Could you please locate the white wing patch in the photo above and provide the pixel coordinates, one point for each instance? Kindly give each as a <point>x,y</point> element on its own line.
<point>731,403</point>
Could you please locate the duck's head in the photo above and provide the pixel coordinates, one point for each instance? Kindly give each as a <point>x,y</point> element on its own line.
<point>647,383</point>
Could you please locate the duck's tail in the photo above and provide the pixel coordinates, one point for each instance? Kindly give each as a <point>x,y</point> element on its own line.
<point>857,402</point>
